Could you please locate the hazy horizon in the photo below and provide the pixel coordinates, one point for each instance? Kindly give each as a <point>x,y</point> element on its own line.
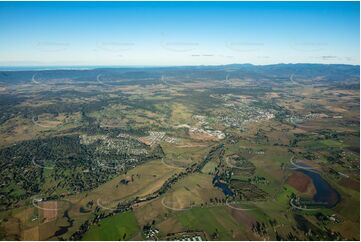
<point>92,67</point>
<point>178,33</point>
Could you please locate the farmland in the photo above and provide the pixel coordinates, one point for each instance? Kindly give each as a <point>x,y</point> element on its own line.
<point>172,153</point>
<point>119,227</point>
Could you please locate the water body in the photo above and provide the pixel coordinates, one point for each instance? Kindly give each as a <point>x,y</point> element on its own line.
<point>64,229</point>
<point>223,186</point>
<point>325,194</point>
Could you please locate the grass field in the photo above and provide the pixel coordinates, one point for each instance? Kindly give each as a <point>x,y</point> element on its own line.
<point>181,114</point>
<point>217,222</point>
<point>122,226</point>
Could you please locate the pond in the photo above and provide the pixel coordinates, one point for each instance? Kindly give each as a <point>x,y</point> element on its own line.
<point>325,194</point>
<point>223,186</point>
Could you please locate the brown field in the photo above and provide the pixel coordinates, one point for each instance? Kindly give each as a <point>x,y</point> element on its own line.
<point>191,145</point>
<point>350,183</point>
<point>242,217</point>
<point>180,156</point>
<point>153,210</point>
<point>170,225</point>
<point>301,182</point>
<point>195,189</point>
<point>20,129</point>
<point>31,234</point>
<point>316,125</point>
<point>145,140</point>
<point>336,109</point>
<point>272,95</point>
<point>25,214</point>
<point>49,121</point>
<point>12,228</point>
<point>49,211</point>
<point>202,136</point>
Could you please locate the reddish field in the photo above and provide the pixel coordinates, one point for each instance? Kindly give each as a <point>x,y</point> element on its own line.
<point>300,181</point>
<point>50,211</point>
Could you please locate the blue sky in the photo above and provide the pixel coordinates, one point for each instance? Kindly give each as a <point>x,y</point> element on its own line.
<point>178,33</point>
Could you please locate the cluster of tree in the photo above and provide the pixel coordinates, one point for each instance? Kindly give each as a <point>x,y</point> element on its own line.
<point>260,228</point>
<point>70,165</point>
<point>312,232</point>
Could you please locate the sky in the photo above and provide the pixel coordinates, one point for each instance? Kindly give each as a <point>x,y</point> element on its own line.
<point>178,33</point>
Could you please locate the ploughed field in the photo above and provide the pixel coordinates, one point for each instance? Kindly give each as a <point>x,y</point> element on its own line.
<point>234,152</point>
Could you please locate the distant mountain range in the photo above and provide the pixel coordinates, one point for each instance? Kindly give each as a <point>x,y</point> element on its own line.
<point>330,72</point>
